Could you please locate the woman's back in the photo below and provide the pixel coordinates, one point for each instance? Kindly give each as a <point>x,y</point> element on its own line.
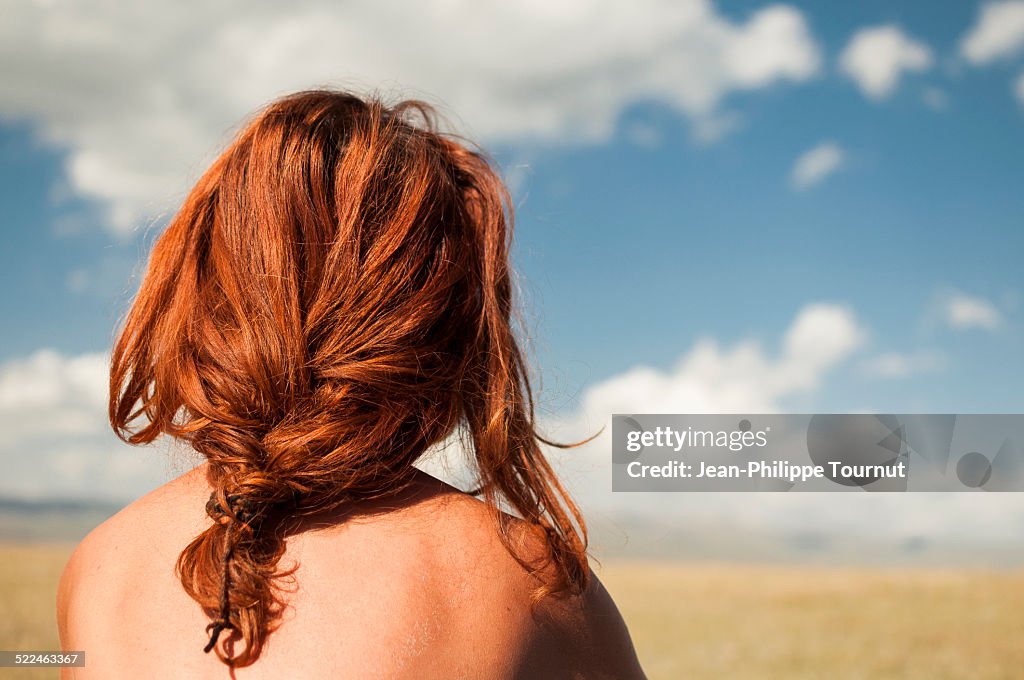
<point>418,587</point>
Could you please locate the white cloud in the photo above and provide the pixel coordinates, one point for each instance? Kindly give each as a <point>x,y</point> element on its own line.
<point>897,365</point>
<point>738,379</point>
<point>967,311</point>
<point>877,57</point>
<point>998,32</point>
<point>138,95</point>
<point>48,380</point>
<point>54,437</point>
<point>814,165</point>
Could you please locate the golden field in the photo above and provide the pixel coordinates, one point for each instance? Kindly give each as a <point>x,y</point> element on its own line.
<point>28,588</point>
<point>703,620</point>
<point>746,621</point>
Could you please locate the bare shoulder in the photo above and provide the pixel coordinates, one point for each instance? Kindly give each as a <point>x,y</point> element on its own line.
<point>101,568</point>
<point>592,631</point>
<point>438,571</point>
<point>137,527</point>
<point>582,637</point>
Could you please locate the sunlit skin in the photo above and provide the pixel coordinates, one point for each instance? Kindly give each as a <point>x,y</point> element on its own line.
<point>419,587</point>
<point>333,298</point>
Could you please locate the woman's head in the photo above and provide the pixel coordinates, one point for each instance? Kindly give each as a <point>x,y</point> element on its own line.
<point>332,298</point>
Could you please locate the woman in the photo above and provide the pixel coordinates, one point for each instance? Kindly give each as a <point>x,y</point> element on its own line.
<point>333,298</point>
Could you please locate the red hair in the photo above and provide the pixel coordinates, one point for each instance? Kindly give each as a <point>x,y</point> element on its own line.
<point>333,298</point>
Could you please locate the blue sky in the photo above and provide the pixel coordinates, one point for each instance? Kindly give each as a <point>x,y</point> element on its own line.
<point>663,227</point>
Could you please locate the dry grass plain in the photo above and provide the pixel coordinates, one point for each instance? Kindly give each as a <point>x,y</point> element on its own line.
<point>703,620</point>
<point>756,621</point>
<point>28,588</point>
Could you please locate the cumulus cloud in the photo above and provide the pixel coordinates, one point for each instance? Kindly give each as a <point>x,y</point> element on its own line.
<point>814,165</point>
<point>997,33</point>
<point>47,380</point>
<point>964,311</point>
<point>710,378</point>
<point>876,58</point>
<point>54,439</point>
<point>138,95</point>
<point>899,365</point>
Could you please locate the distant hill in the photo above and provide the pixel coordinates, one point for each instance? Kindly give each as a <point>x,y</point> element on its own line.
<point>641,538</point>
<point>51,520</point>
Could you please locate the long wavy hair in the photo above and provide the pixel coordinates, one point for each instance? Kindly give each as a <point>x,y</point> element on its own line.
<point>333,298</point>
